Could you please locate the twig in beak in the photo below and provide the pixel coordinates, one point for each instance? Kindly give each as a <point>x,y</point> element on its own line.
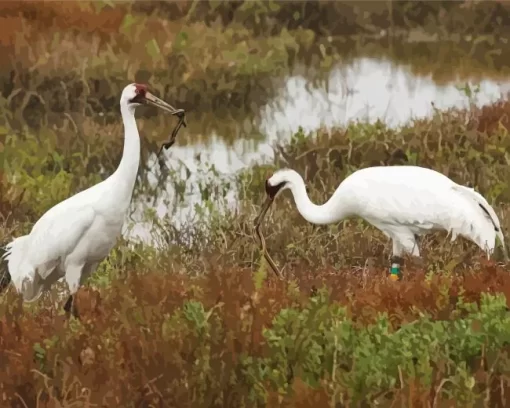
<point>153,100</point>
<point>182,122</point>
<point>259,235</point>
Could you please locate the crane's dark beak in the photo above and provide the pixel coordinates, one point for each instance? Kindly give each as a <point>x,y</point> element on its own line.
<point>153,100</point>
<point>271,191</point>
<point>263,211</point>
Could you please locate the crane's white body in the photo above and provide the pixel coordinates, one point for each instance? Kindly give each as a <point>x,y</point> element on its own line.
<point>73,237</point>
<point>402,201</point>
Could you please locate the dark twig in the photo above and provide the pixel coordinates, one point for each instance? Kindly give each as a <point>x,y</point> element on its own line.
<point>257,223</point>
<point>181,114</point>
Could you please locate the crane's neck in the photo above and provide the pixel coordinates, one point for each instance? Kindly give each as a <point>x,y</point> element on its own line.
<point>124,178</point>
<point>330,212</point>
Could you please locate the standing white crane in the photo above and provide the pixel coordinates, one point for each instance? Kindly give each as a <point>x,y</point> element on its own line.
<point>73,237</point>
<point>404,202</point>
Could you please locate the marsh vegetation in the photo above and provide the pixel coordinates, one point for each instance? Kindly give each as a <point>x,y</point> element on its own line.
<point>185,312</point>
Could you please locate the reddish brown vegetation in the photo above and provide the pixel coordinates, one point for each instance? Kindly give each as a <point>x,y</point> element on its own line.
<point>58,16</point>
<point>490,117</point>
<point>121,354</point>
<point>10,198</point>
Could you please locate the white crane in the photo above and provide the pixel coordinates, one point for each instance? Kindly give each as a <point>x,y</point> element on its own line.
<point>404,202</point>
<point>73,237</point>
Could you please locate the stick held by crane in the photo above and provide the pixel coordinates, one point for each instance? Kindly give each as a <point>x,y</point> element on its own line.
<point>258,233</point>
<point>181,114</point>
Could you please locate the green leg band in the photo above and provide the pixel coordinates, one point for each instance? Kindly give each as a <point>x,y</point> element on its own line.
<point>395,269</point>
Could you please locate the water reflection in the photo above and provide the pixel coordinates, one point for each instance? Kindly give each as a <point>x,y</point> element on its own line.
<point>367,89</point>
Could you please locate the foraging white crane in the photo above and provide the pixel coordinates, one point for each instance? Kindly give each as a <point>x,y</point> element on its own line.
<point>73,237</point>
<point>404,202</point>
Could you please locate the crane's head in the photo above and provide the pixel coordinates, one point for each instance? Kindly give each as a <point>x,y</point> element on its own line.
<point>273,189</point>
<point>135,95</point>
<point>279,181</point>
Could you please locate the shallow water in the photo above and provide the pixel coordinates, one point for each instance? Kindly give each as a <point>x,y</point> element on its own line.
<point>366,90</point>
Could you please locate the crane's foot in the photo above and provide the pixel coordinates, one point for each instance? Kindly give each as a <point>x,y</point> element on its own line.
<point>70,307</point>
<point>395,271</point>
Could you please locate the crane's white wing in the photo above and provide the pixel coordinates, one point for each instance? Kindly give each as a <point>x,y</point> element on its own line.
<point>49,241</point>
<point>414,200</point>
<point>489,212</point>
<point>14,253</point>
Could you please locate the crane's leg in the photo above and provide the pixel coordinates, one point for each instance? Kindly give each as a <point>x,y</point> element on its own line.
<point>5,280</point>
<point>396,261</point>
<point>68,307</point>
<point>404,242</point>
<point>5,276</point>
<point>73,279</point>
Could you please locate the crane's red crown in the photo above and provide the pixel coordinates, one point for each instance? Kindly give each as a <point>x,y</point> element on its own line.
<point>141,89</point>
<point>140,92</point>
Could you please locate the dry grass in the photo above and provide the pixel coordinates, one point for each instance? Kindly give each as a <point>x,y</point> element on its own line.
<point>124,354</point>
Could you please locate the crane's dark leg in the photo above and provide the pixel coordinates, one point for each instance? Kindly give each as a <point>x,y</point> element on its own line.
<point>69,302</point>
<point>70,307</point>
<point>74,275</point>
<point>5,280</point>
<point>5,276</point>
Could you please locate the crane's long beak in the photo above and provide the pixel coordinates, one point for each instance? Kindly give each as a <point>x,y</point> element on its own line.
<point>263,211</point>
<point>158,103</point>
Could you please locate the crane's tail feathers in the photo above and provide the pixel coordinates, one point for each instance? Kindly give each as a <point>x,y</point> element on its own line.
<point>484,205</point>
<point>503,246</point>
<point>501,237</point>
<point>5,276</point>
<point>486,208</point>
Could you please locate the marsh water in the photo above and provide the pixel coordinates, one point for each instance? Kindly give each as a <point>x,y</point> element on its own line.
<point>366,89</point>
